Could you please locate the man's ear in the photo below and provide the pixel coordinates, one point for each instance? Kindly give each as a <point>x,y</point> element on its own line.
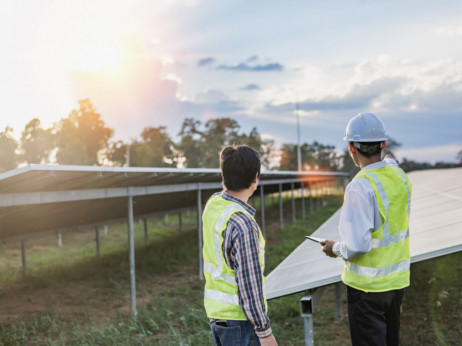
<point>352,147</point>
<point>257,177</point>
<point>384,144</point>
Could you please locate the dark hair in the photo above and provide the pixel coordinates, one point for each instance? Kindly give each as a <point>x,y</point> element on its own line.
<point>368,149</point>
<point>239,166</point>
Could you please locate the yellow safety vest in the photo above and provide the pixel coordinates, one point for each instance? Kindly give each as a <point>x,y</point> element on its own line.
<point>386,266</point>
<point>220,295</point>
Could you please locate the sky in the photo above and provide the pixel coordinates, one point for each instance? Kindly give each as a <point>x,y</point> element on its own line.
<point>156,62</point>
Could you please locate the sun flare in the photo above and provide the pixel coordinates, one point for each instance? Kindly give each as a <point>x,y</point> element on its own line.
<point>100,54</point>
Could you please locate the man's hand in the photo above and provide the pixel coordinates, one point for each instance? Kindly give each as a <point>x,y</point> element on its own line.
<point>327,247</point>
<point>268,341</point>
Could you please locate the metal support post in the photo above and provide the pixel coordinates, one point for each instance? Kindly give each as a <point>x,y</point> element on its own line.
<point>307,306</point>
<point>105,229</point>
<point>293,201</point>
<point>338,301</point>
<point>302,192</point>
<point>98,245</point>
<point>281,217</point>
<point>311,198</point>
<point>23,255</point>
<point>199,229</point>
<point>131,245</point>
<point>60,239</point>
<point>318,198</point>
<point>306,311</point>
<point>145,226</point>
<point>180,221</point>
<point>262,205</point>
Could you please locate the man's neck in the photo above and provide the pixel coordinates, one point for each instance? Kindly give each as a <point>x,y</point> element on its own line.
<point>243,195</point>
<point>366,161</point>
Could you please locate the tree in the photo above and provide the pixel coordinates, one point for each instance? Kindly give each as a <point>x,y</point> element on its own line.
<point>459,158</point>
<point>36,143</point>
<point>315,156</point>
<point>218,134</point>
<point>264,147</point>
<point>200,147</point>
<point>190,145</point>
<point>117,153</point>
<point>154,150</point>
<point>8,146</point>
<point>81,136</point>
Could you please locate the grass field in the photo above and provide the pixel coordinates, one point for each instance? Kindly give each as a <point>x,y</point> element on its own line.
<point>71,297</point>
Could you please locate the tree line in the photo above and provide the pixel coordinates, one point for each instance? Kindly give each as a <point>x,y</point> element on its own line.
<point>83,138</point>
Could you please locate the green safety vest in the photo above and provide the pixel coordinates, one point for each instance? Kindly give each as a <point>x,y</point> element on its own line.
<point>220,295</point>
<point>386,266</point>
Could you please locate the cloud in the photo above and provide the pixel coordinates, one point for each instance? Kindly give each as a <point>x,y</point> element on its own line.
<point>253,58</point>
<point>449,31</point>
<point>211,96</point>
<point>257,68</point>
<point>205,62</point>
<point>250,87</point>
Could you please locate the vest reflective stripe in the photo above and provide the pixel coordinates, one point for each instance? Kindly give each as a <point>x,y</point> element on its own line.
<point>401,174</point>
<point>377,243</point>
<point>223,297</point>
<point>218,275</point>
<point>377,272</point>
<point>385,202</point>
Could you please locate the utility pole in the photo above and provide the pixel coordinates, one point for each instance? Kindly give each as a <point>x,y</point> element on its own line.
<point>299,151</point>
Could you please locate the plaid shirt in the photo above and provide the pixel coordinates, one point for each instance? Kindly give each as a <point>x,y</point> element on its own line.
<point>241,252</point>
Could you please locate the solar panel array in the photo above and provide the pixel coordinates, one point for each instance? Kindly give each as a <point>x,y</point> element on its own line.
<point>435,230</point>
<point>39,198</point>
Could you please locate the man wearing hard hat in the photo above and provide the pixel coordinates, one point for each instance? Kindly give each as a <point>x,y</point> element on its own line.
<point>374,227</point>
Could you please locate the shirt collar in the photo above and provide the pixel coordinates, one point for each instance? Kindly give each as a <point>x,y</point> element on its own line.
<point>226,196</point>
<point>376,165</point>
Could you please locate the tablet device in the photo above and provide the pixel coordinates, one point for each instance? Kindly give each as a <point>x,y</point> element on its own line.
<point>315,239</point>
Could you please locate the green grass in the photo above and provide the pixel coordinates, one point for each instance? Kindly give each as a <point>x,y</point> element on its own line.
<point>90,297</point>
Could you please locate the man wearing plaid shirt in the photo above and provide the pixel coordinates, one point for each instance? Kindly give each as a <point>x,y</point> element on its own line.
<point>234,255</point>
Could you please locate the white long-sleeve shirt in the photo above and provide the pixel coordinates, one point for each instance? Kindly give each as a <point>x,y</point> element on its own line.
<point>359,216</point>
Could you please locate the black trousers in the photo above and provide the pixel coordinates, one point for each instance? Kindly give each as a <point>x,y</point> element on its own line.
<point>374,317</point>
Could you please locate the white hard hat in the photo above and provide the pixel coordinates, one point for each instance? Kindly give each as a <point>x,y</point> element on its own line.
<point>365,127</point>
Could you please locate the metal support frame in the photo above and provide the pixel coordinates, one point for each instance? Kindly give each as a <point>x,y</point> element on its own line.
<point>318,197</point>
<point>311,197</point>
<point>306,312</point>
<point>23,256</point>
<point>302,192</point>
<point>60,239</point>
<point>145,227</point>
<point>262,205</point>
<point>281,216</point>
<point>199,229</point>
<point>98,243</point>
<point>307,305</point>
<point>293,201</point>
<point>131,245</point>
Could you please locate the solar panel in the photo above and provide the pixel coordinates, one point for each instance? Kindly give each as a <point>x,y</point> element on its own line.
<point>435,230</point>
<point>41,198</point>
